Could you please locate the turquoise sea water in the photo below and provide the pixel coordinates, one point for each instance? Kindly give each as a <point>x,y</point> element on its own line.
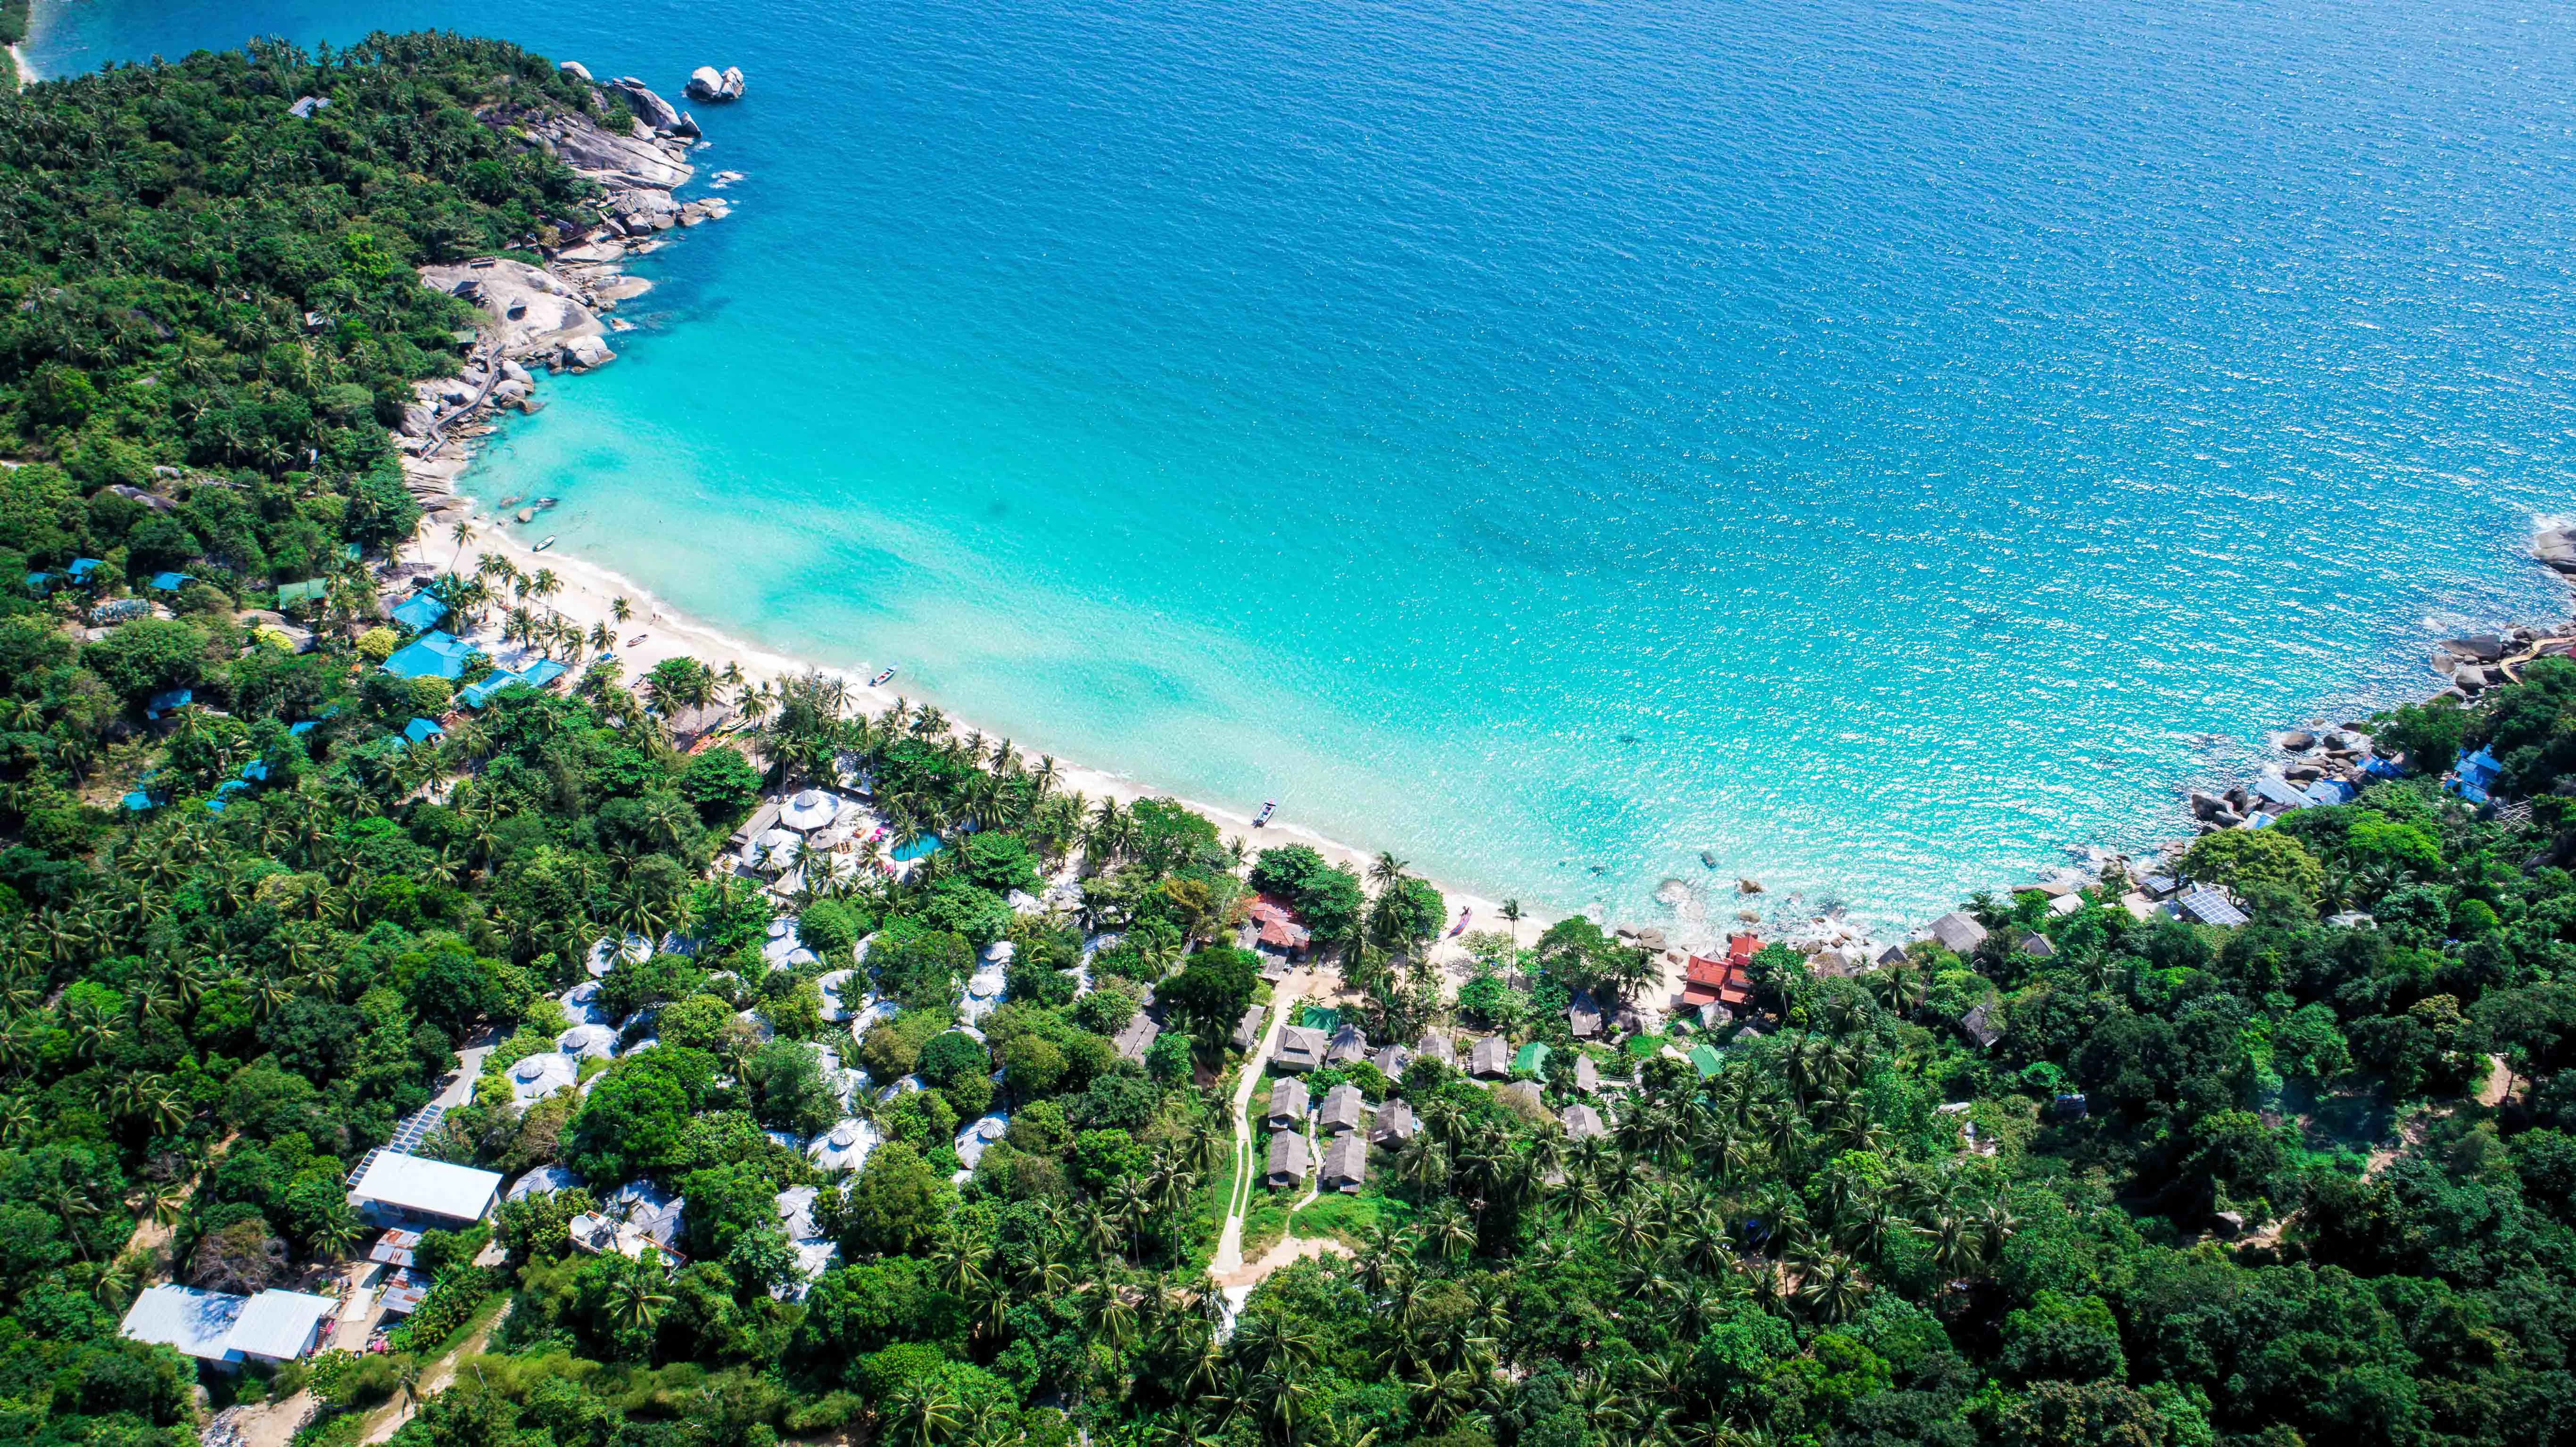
<point>1877,442</point>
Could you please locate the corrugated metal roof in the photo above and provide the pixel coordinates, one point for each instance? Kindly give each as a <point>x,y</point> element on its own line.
<point>279,1324</point>
<point>198,1323</point>
<point>431,1188</point>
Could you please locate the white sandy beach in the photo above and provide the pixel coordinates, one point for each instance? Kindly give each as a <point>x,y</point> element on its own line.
<point>655,632</point>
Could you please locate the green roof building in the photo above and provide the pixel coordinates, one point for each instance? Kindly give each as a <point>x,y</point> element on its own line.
<point>1532,1061</point>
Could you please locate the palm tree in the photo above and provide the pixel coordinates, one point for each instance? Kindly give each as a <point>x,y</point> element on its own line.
<point>162,1203</point>
<point>1386,869</point>
<point>620,609</point>
<point>923,1413</point>
<point>1512,915</point>
<point>463,533</point>
<point>1832,1286</point>
<point>636,1299</point>
<point>338,1233</point>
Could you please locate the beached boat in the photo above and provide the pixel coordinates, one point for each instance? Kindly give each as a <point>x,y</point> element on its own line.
<point>880,680</point>
<point>1263,817</point>
<point>541,547</point>
<point>545,502</point>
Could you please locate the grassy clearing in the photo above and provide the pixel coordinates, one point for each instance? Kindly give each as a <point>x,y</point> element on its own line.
<point>1351,1219</point>
<point>1266,1222</point>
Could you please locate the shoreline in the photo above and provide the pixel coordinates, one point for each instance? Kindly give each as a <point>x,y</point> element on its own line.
<point>589,593</point>
<point>584,280</point>
<point>550,315</point>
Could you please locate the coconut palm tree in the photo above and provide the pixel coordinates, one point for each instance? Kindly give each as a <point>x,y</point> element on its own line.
<point>337,1235</point>
<point>463,533</point>
<point>923,1412</point>
<point>1386,869</point>
<point>636,1299</point>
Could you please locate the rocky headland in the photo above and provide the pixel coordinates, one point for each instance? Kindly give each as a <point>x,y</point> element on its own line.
<point>557,316</point>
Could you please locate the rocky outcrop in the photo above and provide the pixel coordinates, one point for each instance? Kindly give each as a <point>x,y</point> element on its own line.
<point>2556,549</point>
<point>527,309</point>
<point>649,108</point>
<point>575,69</point>
<point>706,83</point>
<point>583,353</point>
<point>551,315</point>
<point>614,161</point>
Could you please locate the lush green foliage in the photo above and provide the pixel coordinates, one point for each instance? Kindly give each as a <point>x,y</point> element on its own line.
<point>2290,1182</point>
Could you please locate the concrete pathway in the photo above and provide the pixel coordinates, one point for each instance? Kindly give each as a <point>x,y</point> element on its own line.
<point>469,1067</point>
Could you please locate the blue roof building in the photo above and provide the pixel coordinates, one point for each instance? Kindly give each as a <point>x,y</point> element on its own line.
<point>299,730</point>
<point>535,675</point>
<point>136,802</point>
<point>433,654</point>
<point>2280,791</point>
<point>168,582</point>
<point>81,568</point>
<point>420,612</point>
<point>420,730</point>
<point>2475,775</point>
<point>164,702</point>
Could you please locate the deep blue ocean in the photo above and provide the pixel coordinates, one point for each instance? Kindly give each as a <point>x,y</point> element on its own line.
<point>1877,442</point>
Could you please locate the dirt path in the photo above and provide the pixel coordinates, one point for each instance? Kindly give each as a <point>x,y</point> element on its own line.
<point>1228,1260</point>
<point>2499,1081</point>
<point>433,1379</point>
<point>274,1424</point>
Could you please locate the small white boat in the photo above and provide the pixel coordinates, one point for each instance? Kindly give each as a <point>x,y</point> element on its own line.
<point>1264,816</point>
<point>548,543</point>
<point>880,680</point>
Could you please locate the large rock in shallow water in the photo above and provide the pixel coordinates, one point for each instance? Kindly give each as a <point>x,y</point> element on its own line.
<point>707,84</point>
<point>583,353</point>
<point>649,108</point>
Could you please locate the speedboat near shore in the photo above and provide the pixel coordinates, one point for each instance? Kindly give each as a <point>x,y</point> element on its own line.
<point>1267,805</point>
<point>880,680</point>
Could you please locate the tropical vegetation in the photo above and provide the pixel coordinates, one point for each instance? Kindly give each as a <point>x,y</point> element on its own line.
<point>2109,1177</point>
